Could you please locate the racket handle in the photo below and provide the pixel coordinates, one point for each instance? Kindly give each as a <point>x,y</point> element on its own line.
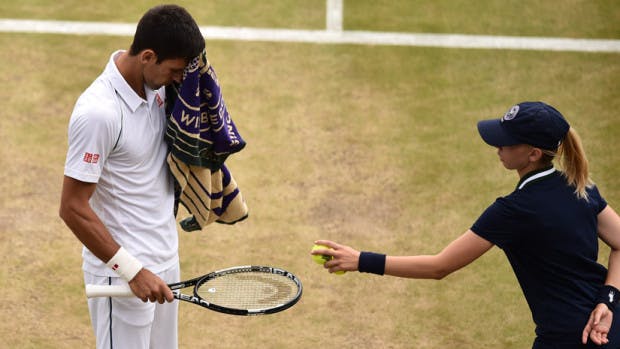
<point>108,291</point>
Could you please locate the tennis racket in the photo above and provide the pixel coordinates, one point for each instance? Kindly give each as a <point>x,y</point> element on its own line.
<point>244,290</point>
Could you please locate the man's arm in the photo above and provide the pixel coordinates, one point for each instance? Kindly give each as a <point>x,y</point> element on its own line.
<point>76,212</point>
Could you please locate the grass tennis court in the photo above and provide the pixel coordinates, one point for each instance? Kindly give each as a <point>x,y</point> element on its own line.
<point>372,146</point>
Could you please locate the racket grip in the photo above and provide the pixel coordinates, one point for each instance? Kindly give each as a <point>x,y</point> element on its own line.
<point>108,291</point>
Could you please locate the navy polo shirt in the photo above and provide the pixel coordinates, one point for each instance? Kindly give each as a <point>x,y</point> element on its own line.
<point>551,241</point>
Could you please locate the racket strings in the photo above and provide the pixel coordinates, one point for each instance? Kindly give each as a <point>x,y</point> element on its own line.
<point>248,290</point>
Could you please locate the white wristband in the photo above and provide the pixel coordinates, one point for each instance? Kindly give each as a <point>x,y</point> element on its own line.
<point>124,264</point>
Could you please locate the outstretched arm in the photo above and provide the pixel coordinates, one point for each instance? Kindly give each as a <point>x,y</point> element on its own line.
<point>459,253</point>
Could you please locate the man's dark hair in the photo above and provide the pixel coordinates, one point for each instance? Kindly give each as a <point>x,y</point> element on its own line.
<point>170,31</point>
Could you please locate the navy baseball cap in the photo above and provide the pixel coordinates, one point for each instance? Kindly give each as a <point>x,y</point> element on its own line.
<point>535,123</point>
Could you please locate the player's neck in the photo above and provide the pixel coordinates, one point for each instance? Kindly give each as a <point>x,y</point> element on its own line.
<point>531,167</point>
<point>131,70</point>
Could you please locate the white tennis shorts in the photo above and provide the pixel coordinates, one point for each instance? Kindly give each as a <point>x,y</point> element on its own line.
<point>129,323</point>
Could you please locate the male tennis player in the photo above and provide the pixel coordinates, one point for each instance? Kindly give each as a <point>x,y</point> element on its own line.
<point>117,194</point>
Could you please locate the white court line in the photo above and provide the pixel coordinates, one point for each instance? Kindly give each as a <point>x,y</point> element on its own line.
<point>333,15</point>
<point>327,36</point>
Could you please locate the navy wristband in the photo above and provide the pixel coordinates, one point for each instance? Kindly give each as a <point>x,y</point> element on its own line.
<point>371,262</point>
<point>610,296</point>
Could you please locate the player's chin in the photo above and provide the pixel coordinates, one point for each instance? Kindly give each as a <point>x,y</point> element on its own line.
<point>156,85</point>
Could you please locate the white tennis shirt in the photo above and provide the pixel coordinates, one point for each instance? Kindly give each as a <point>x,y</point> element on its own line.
<point>134,196</point>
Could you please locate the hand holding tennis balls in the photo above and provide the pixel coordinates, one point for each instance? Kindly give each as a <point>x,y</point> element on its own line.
<point>321,258</point>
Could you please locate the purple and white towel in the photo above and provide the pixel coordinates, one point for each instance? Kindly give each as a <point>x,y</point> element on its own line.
<point>201,135</point>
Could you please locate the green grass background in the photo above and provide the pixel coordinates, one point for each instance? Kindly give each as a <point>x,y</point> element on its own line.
<point>372,146</point>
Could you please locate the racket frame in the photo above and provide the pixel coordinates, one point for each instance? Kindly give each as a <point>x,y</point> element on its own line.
<point>196,282</point>
<point>125,290</point>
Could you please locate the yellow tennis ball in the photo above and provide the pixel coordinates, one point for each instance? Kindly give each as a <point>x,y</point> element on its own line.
<point>321,258</point>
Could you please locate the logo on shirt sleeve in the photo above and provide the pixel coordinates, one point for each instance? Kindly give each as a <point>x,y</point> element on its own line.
<point>91,158</point>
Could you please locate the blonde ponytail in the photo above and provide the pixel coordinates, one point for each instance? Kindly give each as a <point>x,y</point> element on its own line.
<point>574,164</point>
